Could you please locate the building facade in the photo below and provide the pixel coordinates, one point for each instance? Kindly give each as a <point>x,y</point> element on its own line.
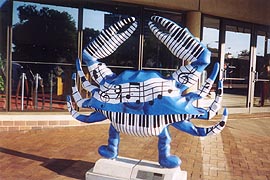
<point>40,40</point>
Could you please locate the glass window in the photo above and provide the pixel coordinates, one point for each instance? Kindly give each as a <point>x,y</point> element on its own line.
<point>4,13</point>
<point>44,51</point>
<point>268,44</point>
<point>44,33</point>
<point>237,52</point>
<point>95,20</point>
<point>155,54</point>
<point>210,38</point>
<point>260,44</point>
<point>40,86</point>
<point>261,93</point>
<point>236,65</point>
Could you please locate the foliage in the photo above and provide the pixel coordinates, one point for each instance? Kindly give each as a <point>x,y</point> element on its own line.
<point>44,35</point>
<point>2,82</point>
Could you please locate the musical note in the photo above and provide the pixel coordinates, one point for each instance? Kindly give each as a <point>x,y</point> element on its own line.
<point>152,101</point>
<point>205,89</point>
<point>134,91</point>
<point>118,92</point>
<point>160,95</point>
<point>138,92</point>
<point>95,74</point>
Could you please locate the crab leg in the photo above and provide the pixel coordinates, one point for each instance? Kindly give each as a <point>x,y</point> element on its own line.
<point>184,46</point>
<point>216,104</point>
<point>93,117</point>
<point>104,45</point>
<point>85,83</point>
<point>77,96</point>
<point>211,111</point>
<point>207,85</point>
<point>189,128</point>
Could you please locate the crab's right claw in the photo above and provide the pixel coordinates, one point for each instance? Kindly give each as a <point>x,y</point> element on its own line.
<point>184,46</point>
<point>109,40</point>
<point>178,40</point>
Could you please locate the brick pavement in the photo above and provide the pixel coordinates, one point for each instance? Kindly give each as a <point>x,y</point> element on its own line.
<point>240,152</point>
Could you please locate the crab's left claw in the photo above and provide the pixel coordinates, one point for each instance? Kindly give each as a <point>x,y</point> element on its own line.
<point>104,45</point>
<point>109,40</point>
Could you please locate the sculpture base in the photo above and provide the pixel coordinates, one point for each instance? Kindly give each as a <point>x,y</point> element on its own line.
<point>132,169</point>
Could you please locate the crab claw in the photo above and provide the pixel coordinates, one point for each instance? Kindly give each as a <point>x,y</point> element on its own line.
<point>104,45</point>
<point>177,39</point>
<point>109,40</point>
<point>184,46</point>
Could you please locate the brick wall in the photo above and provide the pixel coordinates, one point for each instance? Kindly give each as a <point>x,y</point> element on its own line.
<point>25,122</point>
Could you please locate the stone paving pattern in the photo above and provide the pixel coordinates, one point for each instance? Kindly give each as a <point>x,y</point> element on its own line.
<point>240,152</point>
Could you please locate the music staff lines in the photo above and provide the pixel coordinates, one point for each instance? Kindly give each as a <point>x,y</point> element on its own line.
<point>138,91</point>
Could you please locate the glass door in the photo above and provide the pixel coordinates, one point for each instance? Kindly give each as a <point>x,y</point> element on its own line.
<point>260,96</point>
<point>236,66</point>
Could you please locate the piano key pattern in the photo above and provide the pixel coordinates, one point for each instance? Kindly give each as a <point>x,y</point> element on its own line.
<point>99,71</point>
<point>142,125</point>
<point>181,44</point>
<point>179,41</point>
<point>109,39</point>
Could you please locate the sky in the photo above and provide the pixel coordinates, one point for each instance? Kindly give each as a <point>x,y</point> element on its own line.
<point>235,42</point>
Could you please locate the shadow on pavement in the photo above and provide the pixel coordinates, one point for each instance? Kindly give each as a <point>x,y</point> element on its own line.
<point>69,168</point>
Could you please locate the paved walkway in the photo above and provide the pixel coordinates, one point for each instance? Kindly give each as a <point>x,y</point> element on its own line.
<point>241,151</point>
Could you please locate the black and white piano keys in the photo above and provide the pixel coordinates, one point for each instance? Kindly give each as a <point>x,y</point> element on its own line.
<point>140,124</point>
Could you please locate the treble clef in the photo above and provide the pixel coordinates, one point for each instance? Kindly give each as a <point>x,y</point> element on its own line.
<point>183,77</point>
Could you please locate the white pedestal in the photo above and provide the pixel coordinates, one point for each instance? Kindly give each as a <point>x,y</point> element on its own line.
<point>132,169</point>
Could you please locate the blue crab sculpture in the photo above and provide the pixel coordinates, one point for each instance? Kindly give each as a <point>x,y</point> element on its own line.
<point>144,103</point>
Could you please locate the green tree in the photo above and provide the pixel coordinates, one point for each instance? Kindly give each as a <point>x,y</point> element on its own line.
<point>2,74</point>
<point>44,35</point>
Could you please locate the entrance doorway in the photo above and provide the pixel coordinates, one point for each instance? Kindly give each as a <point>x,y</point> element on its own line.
<point>245,67</point>
<point>260,94</point>
<point>236,66</point>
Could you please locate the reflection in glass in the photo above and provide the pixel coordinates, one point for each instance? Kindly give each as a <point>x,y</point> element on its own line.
<point>44,33</point>
<point>2,82</point>
<point>44,47</point>
<point>156,54</point>
<point>262,83</point>
<point>210,39</point>
<point>268,44</point>
<point>95,21</point>
<point>236,66</point>
<point>4,13</point>
<point>40,86</point>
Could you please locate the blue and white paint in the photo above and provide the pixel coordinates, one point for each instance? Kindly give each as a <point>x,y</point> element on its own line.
<point>144,103</point>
